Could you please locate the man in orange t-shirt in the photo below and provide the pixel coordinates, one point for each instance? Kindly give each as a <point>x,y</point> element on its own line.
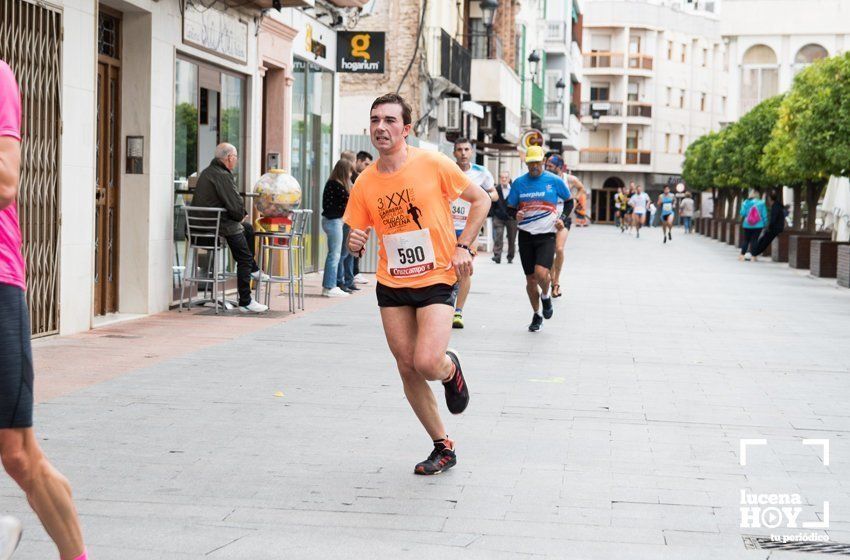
<point>405,197</point>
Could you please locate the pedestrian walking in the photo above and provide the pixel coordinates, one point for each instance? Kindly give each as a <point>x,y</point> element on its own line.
<point>775,224</point>
<point>666,202</point>
<point>216,188</point>
<point>361,162</point>
<point>502,222</point>
<point>464,152</point>
<point>754,214</point>
<point>47,491</point>
<point>686,211</point>
<point>419,263</point>
<point>534,201</point>
<point>639,203</point>
<point>334,200</point>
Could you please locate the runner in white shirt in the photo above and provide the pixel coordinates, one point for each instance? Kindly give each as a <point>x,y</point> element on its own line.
<point>479,175</point>
<point>640,203</point>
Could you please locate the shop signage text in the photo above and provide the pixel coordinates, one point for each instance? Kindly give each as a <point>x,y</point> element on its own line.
<point>216,32</point>
<point>360,52</point>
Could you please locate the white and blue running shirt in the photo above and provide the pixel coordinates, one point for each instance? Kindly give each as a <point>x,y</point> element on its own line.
<point>537,198</point>
<point>479,175</point>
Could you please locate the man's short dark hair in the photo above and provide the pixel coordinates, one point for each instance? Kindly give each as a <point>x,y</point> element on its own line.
<point>363,156</point>
<point>394,99</point>
<point>461,140</point>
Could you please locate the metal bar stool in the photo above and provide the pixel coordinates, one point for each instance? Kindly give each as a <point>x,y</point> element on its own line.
<point>291,243</point>
<point>203,234</point>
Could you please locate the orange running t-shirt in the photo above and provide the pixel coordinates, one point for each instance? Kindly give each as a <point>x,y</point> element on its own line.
<point>409,211</point>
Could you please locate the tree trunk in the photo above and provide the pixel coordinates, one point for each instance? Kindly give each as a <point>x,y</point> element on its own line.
<point>813,190</point>
<point>797,214</point>
<point>720,205</point>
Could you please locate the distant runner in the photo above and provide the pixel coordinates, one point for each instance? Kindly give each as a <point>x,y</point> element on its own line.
<point>666,202</point>
<point>639,203</point>
<point>534,200</point>
<point>479,175</point>
<point>418,264</point>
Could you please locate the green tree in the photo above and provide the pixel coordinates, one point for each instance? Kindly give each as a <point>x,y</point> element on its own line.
<point>756,127</point>
<point>809,142</point>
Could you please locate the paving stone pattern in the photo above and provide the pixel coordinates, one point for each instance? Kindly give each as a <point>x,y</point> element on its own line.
<point>612,433</point>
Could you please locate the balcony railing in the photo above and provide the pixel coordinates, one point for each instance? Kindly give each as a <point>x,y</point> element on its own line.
<point>604,108</point>
<point>638,157</point>
<point>599,155</point>
<point>556,31</point>
<point>449,59</point>
<point>600,59</point>
<point>640,61</point>
<point>637,109</point>
<point>554,112</point>
<point>538,100</point>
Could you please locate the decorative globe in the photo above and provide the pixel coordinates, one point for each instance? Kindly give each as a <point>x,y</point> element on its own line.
<point>278,193</point>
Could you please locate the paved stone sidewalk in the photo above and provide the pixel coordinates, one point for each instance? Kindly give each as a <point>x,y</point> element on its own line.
<point>612,433</point>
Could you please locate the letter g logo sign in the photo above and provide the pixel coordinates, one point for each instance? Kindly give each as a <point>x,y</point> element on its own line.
<point>360,46</point>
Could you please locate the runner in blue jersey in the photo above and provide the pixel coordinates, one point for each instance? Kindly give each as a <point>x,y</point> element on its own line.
<point>534,200</point>
<point>667,202</point>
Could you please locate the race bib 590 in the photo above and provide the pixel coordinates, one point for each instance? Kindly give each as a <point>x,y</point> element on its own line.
<point>410,253</point>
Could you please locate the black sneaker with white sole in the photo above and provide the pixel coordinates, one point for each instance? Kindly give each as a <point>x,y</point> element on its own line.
<point>457,393</point>
<point>536,323</point>
<point>548,310</point>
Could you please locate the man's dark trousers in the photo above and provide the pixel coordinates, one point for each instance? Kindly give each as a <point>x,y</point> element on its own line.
<point>242,248</point>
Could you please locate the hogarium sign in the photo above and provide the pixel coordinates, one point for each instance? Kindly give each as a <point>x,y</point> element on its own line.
<point>360,52</point>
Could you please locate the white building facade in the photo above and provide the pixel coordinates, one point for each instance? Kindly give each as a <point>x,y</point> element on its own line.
<point>563,75</point>
<point>655,79</point>
<point>770,41</point>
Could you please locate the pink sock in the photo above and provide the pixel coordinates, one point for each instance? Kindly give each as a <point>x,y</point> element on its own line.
<point>82,556</point>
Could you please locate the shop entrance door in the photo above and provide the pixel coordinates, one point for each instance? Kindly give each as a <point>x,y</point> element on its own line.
<point>108,172</point>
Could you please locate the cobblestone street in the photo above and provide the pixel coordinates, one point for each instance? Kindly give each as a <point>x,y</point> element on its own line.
<point>612,433</point>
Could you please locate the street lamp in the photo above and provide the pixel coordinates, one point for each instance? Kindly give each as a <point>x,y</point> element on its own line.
<point>560,86</point>
<point>595,116</point>
<point>488,12</point>
<point>534,61</point>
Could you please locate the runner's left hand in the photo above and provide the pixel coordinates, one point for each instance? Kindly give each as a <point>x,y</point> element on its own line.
<point>559,225</point>
<point>462,263</point>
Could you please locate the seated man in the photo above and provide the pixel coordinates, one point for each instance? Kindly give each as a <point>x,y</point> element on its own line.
<point>216,188</point>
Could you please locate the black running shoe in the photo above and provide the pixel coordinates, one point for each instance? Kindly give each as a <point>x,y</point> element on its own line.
<point>670,235</point>
<point>457,393</point>
<point>441,459</point>
<point>536,323</point>
<point>548,310</point>
<point>510,260</point>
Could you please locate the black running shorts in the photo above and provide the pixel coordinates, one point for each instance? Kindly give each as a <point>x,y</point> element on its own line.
<point>536,250</point>
<point>415,297</point>
<point>16,376</point>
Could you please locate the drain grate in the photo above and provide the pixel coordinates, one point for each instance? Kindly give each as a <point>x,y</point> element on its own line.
<point>834,548</point>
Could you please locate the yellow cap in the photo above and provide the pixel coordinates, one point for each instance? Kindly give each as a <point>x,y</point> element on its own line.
<point>534,154</point>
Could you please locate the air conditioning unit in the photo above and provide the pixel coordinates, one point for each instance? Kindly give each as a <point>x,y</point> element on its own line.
<point>449,116</point>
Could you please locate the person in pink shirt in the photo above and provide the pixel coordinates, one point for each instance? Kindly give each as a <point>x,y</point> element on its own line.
<point>48,492</point>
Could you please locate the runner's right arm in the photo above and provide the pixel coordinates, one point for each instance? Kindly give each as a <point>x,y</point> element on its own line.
<point>357,217</point>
